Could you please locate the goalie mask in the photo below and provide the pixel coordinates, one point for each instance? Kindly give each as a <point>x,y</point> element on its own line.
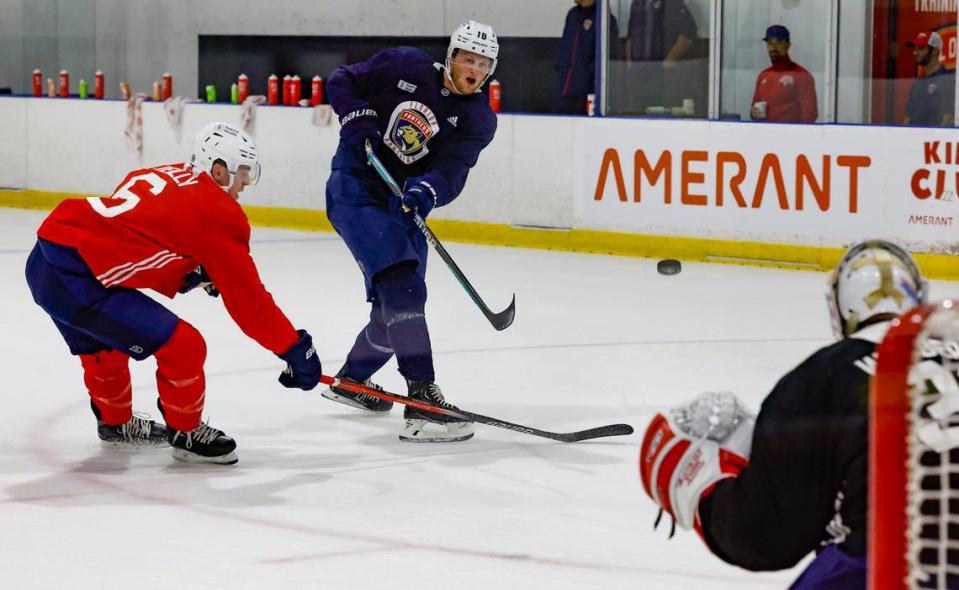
<point>475,37</point>
<point>220,141</point>
<point>874,277</point>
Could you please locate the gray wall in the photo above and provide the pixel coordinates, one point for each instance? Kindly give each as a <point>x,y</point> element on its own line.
<point>11,44</point>
<point>139,40</point>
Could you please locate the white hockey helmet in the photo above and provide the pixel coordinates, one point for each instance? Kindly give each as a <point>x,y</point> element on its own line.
<point>874,277</point>
<point>475,37</point>
<point>224,142</point>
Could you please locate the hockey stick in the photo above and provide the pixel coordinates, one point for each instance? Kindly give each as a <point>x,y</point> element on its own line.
<point>598,432</point>
<point>501,320</point>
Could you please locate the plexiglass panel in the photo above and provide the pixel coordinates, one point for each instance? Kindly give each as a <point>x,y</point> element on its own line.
<point>659,60</point>
<point>774,60</point>
<point>908,80</point>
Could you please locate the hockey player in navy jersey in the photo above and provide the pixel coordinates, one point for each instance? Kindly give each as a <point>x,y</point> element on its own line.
<point>765,491</point>
<point>427,123</point>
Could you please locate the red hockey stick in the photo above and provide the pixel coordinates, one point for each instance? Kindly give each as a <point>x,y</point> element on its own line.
<point>598,432</point>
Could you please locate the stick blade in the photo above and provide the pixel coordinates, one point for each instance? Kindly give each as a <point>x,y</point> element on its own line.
<point>599,432</point>
<point>504,319</point>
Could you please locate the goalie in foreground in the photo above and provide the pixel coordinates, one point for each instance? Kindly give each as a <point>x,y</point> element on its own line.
<point>765,491</point>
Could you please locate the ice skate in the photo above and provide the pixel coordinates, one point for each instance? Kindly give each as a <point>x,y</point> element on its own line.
<point>360,401</point>
<point>423,426</point>
<point>203,444</point>
<point>140,431</point>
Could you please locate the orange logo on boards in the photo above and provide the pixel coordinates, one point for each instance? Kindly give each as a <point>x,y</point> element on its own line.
<point>730,170</point>
<point>938,182</point>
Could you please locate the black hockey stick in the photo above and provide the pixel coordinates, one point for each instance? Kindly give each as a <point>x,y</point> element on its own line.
<point>598,432</point>
<point>501,320</point>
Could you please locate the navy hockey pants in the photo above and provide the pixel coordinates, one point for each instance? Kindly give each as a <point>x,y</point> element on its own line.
<point>373,225</point>
<point>91,317</point>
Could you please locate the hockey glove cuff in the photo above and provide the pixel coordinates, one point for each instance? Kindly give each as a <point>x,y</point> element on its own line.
<point>302,364</point>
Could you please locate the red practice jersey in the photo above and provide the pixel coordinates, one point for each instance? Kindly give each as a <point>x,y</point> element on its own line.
<point>789,91</point>
<point>160,224</point>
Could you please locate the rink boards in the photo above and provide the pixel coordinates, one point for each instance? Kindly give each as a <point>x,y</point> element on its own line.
<point>785,195</point>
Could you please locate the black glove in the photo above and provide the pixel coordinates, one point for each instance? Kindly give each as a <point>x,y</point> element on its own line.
<point>199,278</point>
<point>302,364</point>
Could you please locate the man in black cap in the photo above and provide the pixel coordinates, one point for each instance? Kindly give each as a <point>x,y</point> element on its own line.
<point>785,91</point>
<point>931,97</point>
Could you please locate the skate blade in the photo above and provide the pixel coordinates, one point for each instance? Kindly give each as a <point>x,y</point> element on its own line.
<point>422,431</point>
<point>190,457</point>
<point>133,446</point>
<point>346,401</point>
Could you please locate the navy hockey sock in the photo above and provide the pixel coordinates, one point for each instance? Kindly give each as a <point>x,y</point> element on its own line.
<point>371,350</point>
<point>403,296</point>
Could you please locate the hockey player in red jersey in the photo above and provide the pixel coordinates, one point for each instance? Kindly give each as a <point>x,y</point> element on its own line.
<point>765,491</point>
<point>170,229</point>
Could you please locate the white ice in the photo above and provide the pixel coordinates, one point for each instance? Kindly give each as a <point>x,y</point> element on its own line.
<point>324,497</point>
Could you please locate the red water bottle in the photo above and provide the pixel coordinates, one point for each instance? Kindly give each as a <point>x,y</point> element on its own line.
<point>495,96</point>
<point>243,88</point>
<point>316,91</point>
<point>167,91</point>
<point>272,89</point>
<point>98,85</point>
<point>287,82</point>
<point>64,84</point>
<point>37,83</point>
<point>296,90</point>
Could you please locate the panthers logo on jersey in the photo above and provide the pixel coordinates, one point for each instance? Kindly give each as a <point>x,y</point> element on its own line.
<point>412,124</point>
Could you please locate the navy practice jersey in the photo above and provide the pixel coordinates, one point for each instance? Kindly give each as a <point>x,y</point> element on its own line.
<point>806,480</point>
<point>427,133</point>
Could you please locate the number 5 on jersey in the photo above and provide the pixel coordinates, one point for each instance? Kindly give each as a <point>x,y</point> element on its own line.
<point>125,194</point>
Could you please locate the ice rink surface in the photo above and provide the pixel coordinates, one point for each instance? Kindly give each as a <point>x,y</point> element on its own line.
<point>324,497</point>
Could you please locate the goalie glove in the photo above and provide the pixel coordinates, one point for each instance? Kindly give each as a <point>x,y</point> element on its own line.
<point>686,452</point>
<point>198,277</point>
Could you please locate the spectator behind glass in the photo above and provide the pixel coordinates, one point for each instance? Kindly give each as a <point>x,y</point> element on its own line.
<point>931,97</point>
<point>785,91</point>
<point>576,62</point>
<point>659,30</point>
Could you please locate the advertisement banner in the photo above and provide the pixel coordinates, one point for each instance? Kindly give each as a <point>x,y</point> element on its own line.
<point>788,184</point>
<point>924,189</point>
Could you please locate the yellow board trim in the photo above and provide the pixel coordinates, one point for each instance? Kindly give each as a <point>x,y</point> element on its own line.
<point>934,266</point>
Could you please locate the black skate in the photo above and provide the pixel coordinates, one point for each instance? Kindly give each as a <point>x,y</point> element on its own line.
<point>203,444</point>
<point>424,426</point>
<point>360,401</point>
<point>139,431</point>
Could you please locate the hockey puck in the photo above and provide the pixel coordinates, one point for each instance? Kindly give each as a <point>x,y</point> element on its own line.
<point>668,266</point>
